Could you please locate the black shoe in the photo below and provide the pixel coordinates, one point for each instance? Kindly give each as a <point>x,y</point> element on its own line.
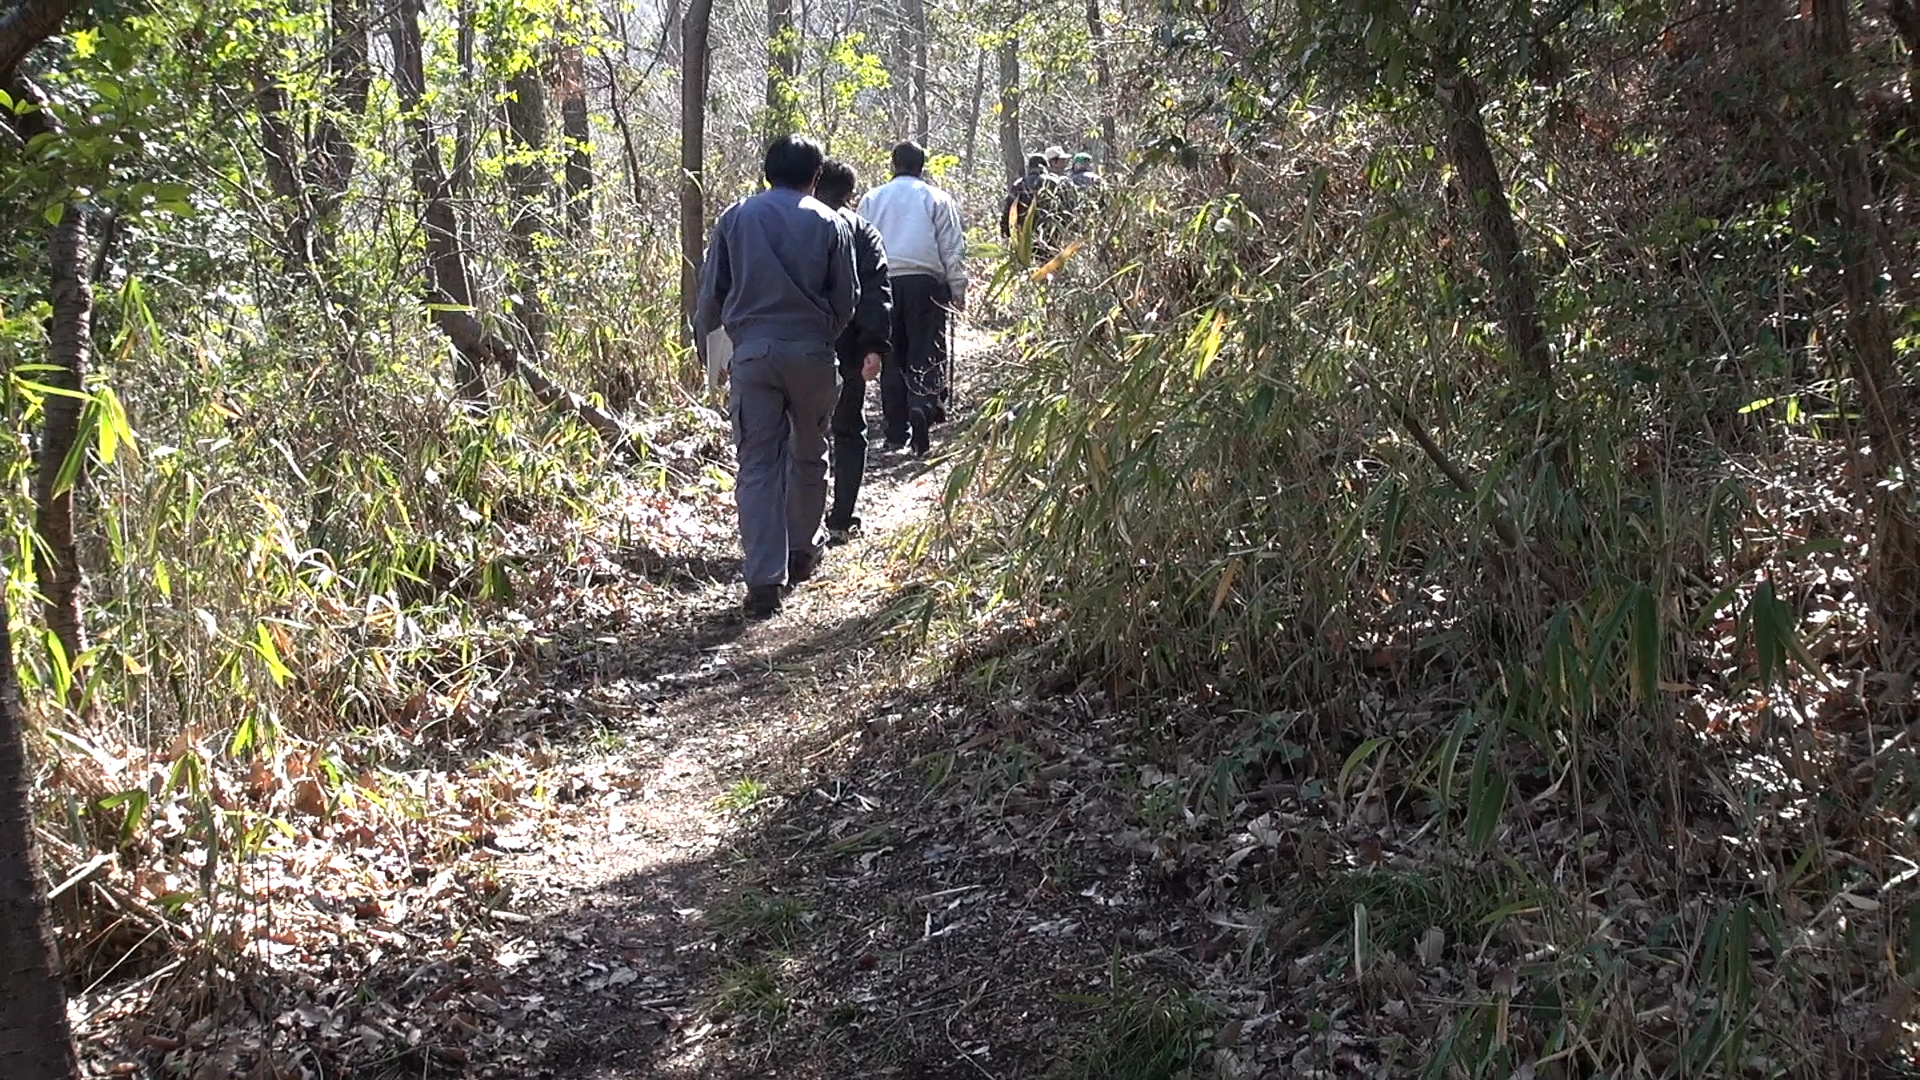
<point>802,564</point>
<point>763,601</point>
<point>919,442</point>
<point>840,534</point>
<point>894,446</point>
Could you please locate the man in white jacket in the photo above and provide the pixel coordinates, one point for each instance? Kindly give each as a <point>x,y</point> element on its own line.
<point>920,225</point>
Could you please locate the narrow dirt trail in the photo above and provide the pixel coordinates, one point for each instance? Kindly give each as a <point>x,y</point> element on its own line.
<point>718,869</point>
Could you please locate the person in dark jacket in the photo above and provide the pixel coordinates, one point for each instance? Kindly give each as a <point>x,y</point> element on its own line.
<point>779,276</point>
<point>862,348</point>
<point>1032,202</point>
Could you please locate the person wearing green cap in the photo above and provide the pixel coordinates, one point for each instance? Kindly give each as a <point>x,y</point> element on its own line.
<point>1081,175</point>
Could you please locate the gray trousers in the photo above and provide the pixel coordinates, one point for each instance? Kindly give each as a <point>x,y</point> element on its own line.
<point>782,397</point>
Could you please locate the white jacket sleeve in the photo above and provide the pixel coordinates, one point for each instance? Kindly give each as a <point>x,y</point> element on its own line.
<point>952,241</point>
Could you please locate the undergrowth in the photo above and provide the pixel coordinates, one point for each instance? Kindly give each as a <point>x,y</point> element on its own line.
<point>1582,686</point>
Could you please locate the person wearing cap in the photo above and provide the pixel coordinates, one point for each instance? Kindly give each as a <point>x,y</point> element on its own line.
<point>1056,156</point>
<point>1081,175</point>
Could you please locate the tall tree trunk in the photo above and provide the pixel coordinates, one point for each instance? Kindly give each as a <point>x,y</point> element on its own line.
<point>917,26</point>
<point>1011,154</point>
<point>446,264</point>
<point>34,1041</point>
<point>973,112</point>
<point>694,57</point>
<point>25,25</point>
<point>576,127</point>
<point>1102,79</point>
<point>528,176</point>
<point>56,559</point>
<point>1896,552</point>
<point>1506,261</point>
<point>783,67</point>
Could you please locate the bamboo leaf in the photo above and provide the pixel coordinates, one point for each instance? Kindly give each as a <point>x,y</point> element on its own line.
<point>1486,795</point>
<point>1210,345</point>
<point>1643,644</point>
<point>1360,754</point>
<point>1225,587</point>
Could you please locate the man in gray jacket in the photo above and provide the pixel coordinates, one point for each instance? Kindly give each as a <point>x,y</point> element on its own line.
<point>779,276</point>
<point>926,248</point>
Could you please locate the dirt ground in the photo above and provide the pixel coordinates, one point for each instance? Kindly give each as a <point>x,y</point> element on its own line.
<point>772,869</point>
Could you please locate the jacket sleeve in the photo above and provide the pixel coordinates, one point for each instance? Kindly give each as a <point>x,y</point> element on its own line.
<point>843,277</point>
<point>1006,213</point>
<point>952,241</point>
<point>873,320</point>
<point>716,281</point>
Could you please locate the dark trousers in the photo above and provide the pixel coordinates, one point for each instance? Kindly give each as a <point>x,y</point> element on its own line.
<point>911,379</point>
<point>849,440</point>
<point>943,358</point>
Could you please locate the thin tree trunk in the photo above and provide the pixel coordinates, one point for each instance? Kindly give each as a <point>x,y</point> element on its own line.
<point>453,313</point>
<point>1102,79</point>
<point>446,265</point>
<point>332,159</point>
<point>312,183</point>
<point>1896,553</point>
<point>466,131</point>
<point>56,559</point>
<point>1906,20</point>
<point>617,101</point>
<point>575,125</point>
<point>528,176</point>
<point>280,151</point>
<point>917,26</point>
<point>34,1041</point>
<point>1011,154</point>
<point>70,348</point>
<point>1506,261</point>
<point>694,58</point>
<point>783,67</point>
<point>973,111</point>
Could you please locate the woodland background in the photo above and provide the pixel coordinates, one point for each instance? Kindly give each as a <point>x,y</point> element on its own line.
<point>1481,428</point>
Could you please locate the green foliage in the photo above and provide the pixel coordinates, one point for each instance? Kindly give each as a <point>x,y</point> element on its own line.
<point>1135,1035</point>
<point>297,548</point>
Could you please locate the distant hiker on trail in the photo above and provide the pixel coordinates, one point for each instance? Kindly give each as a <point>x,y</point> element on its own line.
<point>862,348</point>
<point>1082,176</point>
<point>780,278</point>
<point>925,248</point>
<point>1056,160</point>
<point>1031,203</point>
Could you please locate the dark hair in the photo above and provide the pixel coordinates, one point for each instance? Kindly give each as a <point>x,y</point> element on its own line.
<point>1036,161</point>
<point>909,159</point>
<point>793,161</point>
<point>836,183</point>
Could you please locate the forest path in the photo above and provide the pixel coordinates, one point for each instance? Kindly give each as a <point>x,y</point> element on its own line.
<point>750,874</point>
